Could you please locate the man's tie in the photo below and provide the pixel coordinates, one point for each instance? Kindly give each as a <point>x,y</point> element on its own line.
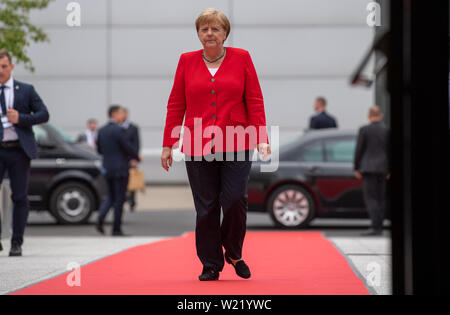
<point>3,106</point>
<point>3,99</point>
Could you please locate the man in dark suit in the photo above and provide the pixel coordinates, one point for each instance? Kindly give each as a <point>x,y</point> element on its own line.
<point>132,132</point>
<point>21,108</point>
<point>372,166</point>
<point>322,120</point>
<point>117,152</point>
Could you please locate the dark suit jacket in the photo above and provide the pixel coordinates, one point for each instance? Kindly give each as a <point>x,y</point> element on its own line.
<point>372,149</point>
<point>32,111</point>
<point>322,121</point>
<point>132,133</point>
<point>112,143</point>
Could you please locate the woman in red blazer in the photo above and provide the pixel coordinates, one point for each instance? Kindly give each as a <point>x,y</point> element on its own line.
<point>217,93</point>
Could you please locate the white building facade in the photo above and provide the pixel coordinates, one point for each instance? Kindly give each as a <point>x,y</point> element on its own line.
<point>126,52</point>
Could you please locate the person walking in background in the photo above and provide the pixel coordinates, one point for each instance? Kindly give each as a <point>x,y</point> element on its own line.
<point>220,87</point>
<point>372,166</point>
<point>21,108</point>
<point>322,120</point>
<point>90,135</point>
<point>132,132</point>
<point>113,145</point>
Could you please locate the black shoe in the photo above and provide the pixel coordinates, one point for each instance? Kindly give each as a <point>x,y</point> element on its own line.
<point>241,268</point>
<point>209,274</point>
<point>99,228</point>
<point>372,232</point>
<point>16,250</point>
<point>1,247</point>
<point>119,234</point>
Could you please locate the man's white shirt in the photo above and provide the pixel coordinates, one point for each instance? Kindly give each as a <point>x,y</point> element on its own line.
<point>9,133</point>
<point>91,138</point>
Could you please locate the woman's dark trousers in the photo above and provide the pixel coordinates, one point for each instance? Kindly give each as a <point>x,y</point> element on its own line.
<point>220,184</point>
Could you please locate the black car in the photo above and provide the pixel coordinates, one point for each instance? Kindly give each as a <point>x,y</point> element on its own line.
<point>66,179</point>
<point>315,179</point>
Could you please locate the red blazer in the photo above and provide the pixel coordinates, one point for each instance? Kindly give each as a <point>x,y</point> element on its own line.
<point>232,98</point>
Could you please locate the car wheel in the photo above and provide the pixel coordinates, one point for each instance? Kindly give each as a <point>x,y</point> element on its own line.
<point>291,206</point>
<point>72,203</point>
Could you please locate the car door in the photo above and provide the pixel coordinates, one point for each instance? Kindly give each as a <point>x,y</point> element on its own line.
<point>334,180</point>
<point>43,168</point>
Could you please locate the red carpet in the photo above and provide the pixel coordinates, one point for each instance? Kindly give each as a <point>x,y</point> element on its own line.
<point>287,263</point>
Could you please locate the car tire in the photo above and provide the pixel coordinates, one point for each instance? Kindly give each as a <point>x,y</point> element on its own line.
<point>72,203</point>
<point>291,207</point>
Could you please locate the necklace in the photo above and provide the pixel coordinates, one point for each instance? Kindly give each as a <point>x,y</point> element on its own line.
<point>212,61</point>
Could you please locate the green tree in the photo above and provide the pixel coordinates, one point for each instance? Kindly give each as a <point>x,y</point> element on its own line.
<point>16,31</point>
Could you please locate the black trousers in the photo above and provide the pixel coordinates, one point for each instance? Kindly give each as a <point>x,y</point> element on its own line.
<point>117,193</point>
<point>131,198</point>
<point>215,185</point>
<point>375,198</point>
<point>17,164</point>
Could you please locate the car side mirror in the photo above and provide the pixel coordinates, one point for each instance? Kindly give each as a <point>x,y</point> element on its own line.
<point>45,143</point>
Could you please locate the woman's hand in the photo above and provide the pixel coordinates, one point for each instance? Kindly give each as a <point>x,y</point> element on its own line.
<point>264,150</point>
<point>166,158</point>
<point>358,175</point>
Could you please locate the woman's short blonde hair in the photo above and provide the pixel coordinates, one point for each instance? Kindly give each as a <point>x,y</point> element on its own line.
<point>211,16</point>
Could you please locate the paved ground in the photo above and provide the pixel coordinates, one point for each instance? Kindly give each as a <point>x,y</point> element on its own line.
<point>50,248</point>
<point>47,257</point>
<point>371,257</point>
<point>157,198</point>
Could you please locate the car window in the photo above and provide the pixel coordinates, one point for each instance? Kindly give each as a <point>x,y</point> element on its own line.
<point>62,134</point>
<point>341,151</point>
<point>40,133</point>
<point>312,153</point>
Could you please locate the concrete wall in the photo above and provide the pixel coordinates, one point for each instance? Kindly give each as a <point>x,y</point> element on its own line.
<point>127,51</point>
